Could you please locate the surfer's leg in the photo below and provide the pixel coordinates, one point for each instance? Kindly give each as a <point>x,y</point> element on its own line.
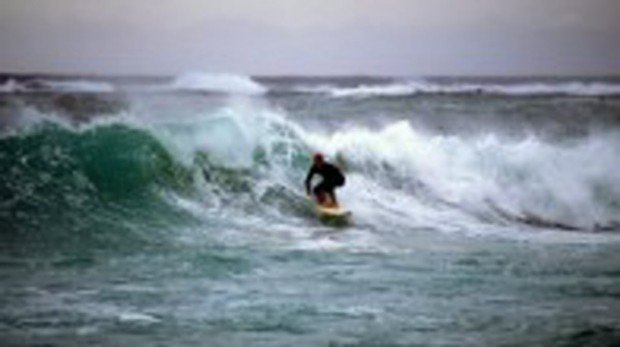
<point>319,193</point>
<point>332,196</point>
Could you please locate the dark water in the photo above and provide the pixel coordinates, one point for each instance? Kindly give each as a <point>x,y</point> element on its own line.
<point>145,211</point>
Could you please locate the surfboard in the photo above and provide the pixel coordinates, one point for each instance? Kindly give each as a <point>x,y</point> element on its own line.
<point>333,215</point>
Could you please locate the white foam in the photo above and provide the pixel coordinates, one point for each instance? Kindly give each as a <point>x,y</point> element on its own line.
<point>318,89</point>
<point>377,90</point>
<point>568,184</point>
<point>425,87</point>
<point>218,82</point>
<point>137,317</point>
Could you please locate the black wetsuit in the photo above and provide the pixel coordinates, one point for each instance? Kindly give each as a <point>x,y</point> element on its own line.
<point>332,178</point>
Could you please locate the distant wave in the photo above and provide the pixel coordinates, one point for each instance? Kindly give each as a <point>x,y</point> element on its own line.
<point>219,82</point>
<point>11,86</point>
<point>192,81</point>
<point>60,86</point>
<point>81,86</point>
<point>423,87</point>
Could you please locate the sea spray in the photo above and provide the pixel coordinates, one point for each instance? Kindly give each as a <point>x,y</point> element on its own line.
<point>533,181</point>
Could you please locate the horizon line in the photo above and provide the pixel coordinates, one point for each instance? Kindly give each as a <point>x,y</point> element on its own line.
<point>307,75</point>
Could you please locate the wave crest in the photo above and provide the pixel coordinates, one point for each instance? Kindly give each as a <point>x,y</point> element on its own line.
<point>218,82</point>
<point>425,87</point>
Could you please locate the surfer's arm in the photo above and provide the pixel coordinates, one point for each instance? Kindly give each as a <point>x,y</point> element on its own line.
<point>309,179</point>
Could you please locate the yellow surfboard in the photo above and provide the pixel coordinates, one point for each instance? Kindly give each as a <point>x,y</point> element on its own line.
<point>336,215</point>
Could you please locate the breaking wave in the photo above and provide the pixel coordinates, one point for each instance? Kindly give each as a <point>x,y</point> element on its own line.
<point>189,82</point>
<point>250,159</point>
<point>427,87</point>
<point>217,83</point>
<point>569,186</point>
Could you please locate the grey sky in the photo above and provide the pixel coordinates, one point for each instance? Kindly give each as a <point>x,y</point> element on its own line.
<point>396,37</point>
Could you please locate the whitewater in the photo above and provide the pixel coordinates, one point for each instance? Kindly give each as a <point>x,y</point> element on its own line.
<point>171,211</point>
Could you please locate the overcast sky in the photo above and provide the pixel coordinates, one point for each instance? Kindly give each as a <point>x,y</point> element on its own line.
<point>377,37</point>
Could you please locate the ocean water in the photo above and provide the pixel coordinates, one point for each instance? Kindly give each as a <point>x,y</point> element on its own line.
<point>171,211</point>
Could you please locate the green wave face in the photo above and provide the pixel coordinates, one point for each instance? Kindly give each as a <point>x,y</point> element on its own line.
<point>62,187</point>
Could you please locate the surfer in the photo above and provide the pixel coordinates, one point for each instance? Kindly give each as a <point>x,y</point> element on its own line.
<point>332,178</point>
